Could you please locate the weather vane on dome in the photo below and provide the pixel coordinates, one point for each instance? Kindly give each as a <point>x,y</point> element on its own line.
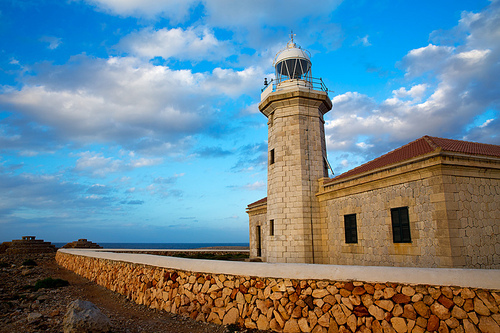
<point>291,44</point>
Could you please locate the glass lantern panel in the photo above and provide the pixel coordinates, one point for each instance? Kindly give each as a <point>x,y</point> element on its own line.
<point>293,68</point>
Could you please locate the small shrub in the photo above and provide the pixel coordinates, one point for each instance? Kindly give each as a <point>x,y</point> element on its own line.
<point>231,328</point>
<point>27,287</point>
<point>50,283</point>
<point>29,262</point>
<point>4,246</point>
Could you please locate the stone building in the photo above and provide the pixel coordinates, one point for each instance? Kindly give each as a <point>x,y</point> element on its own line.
<point>28,244</point>
<point>432,203</point>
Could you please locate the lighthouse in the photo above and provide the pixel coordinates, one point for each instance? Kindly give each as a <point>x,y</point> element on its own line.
<point>295,104</point>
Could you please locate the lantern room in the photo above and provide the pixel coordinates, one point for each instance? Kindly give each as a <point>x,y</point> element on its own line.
<point>292,63</point>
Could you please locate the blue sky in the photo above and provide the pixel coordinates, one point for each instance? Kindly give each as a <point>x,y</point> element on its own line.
<point>137,120</point>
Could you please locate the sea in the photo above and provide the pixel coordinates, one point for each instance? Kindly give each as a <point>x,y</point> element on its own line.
<point>162,246</point>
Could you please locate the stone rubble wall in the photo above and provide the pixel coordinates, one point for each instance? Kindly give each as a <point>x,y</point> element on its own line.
<point>295,305</point>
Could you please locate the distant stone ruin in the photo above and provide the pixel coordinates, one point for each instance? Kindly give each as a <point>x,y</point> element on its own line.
<point>82,243</point>
<point>28,244</point>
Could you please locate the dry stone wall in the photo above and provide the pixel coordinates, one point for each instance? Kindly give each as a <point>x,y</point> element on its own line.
<point>290,305</point>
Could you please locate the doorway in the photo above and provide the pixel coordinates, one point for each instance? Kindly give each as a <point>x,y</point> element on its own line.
<point>259,242</point>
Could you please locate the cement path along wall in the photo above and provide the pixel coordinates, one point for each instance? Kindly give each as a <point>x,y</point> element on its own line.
<point>420,300</point>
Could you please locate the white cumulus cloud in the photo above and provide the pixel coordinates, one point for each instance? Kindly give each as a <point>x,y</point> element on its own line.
<point>125,100</point>
<point>190,44</point>
<point>449,86</point>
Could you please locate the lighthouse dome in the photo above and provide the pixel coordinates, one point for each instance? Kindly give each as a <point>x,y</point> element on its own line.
<point>292,63</point>
<point>292,52</point>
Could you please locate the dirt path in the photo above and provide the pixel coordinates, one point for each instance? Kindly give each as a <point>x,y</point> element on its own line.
<point>20,307</point>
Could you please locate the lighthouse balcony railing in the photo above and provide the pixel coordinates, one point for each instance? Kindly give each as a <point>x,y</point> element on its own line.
<point>311,83</point>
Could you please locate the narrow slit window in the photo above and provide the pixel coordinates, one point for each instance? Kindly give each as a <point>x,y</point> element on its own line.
<point>400,225</point>
<point>271,227</point>
<point>271,157</point>
<point>350,227</point>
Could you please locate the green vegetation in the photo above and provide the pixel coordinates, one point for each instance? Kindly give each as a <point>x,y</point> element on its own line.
<point>29,262</point>
<point>231,328</point>
<point>50,283</point>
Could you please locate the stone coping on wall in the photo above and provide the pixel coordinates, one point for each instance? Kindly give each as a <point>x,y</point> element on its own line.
<point>472,278</point>
<point>175,250</point>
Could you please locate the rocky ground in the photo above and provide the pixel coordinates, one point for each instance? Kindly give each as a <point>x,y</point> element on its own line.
<point>22,309</point>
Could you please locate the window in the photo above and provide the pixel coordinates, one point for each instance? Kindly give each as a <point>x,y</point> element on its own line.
<point>271,157</point>
<point>400,225</point>
<point>271,227</point>
<point>351,233</point>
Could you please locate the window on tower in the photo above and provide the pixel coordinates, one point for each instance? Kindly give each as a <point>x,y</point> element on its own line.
<point>271,156</point>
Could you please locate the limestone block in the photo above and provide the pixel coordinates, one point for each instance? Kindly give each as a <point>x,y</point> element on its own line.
<point>422,309</point>
<point>85,316</point>
<point>480,308</point>
<point>433,323</point>
<point>320,293</point>
<point>397,310</point>
<point>339,314</point>
<point>468,305</point>
<point>409,312</point>
<point>292,326</point>
<point>385,304</point>
<point>262,322</point>
<point>469,327</point>
<point>440,311</point>
<point>214,318</point>
<point>473,317</point>
<point>452,322</point>
<point>399,324</point>
<point>304,325</point>
<point>488,325</point>
<point>488,300</point>
<point>375,311</point>
<point>445,301</point>
<point>324,320</point>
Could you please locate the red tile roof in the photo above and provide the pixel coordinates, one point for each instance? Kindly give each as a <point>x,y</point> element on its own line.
<point>466,147</point>
<point>258,202</point>
<point>424,145</point>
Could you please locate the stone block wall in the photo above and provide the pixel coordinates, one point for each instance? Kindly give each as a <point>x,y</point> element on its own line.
<point>258,223</point>
<point>297,147</point>
<point>476,208</point>
<point>454,215</point>
<point>375,244</point>
<point>295,305</point>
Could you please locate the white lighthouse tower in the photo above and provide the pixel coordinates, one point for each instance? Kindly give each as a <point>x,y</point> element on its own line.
<point>294,104</point>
